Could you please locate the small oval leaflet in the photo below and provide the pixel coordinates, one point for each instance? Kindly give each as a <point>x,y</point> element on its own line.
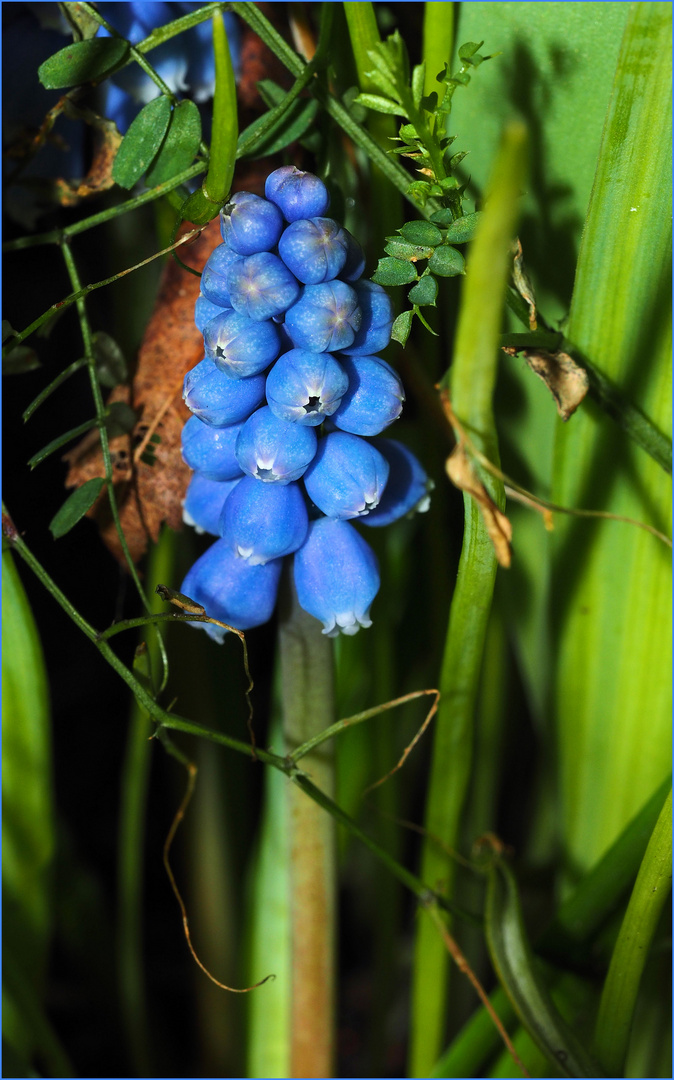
<point>75,507</point>
<point>82,62</point>
<point>392,271</point>
<point>447,262</point>
<point>180,145</point>
<point>142,141</point>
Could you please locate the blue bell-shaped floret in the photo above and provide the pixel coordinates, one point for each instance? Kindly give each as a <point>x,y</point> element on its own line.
<point>204,502</point>
<point>347,477</point>
<point>297,194</point>
<point>374,398</point>
<point>274,450</point>
<point>376,309</point>
<point>219,400</point>
<point>205,310</point>
<point>305,387</point>
<point>261,286</point>
<point>250,223</point>
<point>214,275</point>
<point>315,249</point>
<point>211,451</point>
<point>355,259</point>
<point>232,591</point>
<point>239,345</point>
<point>261,522</point>
<point>336,576</point>
<point>325,318</point>
<point>408,488</point>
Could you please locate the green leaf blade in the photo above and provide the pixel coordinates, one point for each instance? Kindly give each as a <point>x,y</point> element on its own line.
<point>446,261</point>
<point>142,142</point>
<point>82,62</point>
<point>392,271</point>
<point>180,145</point>
<point>75,507</point>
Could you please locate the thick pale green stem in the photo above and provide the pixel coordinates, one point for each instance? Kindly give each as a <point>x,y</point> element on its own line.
<point>307,681</point>
<point>472,380</point>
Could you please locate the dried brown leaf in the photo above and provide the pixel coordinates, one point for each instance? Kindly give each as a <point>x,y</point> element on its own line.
<point>460,471</point>
<point>565,379</point>
<point>99,178</point>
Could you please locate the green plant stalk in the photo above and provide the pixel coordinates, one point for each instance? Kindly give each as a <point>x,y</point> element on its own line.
<point>58,236</point>
<point>472,378</point>
<point>81,293</point>
<point>225,130</point>
<point>170,721</point>
<point>307,682</point>
<point>131,841</point>
<point>385,206</point>
<point>619,996</point>
<point>100,413</point>
<point>438,43</point>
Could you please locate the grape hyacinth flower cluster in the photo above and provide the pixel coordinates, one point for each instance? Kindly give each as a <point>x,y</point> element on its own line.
<point>287,403</point>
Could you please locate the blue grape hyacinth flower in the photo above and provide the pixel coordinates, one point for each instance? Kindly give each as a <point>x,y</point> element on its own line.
<point>290,394</point>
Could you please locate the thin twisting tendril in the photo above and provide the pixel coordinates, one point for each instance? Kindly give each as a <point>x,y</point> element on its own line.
<point>408,749</point>
<point>465,968</point>
<point>179,815</point>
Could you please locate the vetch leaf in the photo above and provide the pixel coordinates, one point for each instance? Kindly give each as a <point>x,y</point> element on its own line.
<point>180,145</point>
<point>380,104</point>
<point>75,507</point>
<point>463,229</point>
<point>394,272</point>
<point>20,359</point>
<point>82,62</point>
<point>110,363</point>
<point>141,142</point>
<point>424,292</point>
<point>290,127</point>
<point>401,249</point>
<point>447,262</point>
<point>418,80</point>
<point>400,331</point>
<point>421,232</point>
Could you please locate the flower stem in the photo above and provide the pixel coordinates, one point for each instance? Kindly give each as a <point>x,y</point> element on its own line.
<point>307,680</point>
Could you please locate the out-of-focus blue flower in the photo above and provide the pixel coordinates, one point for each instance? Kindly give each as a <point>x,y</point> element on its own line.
<point>325,318</point>
<point>305,387</point>
<point>231,590</point>
<point>264,521</point>
<point>336,576</point>
<point>185,62</point>
<point>221,401</point>
<point>204,502</point>
<point>347,477</point>
<point>210,450</point>
<point>374,398</point>
<point>408,487</point>
<point>274,450</point>
<point>239,346</point>
<point>261,286</point>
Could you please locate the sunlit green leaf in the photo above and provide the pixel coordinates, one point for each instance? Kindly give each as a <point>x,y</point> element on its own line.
<point>421,232</point>
<point>424,292</point>
<point>379,104</point>
<point>447,262</point>
<point>402,325</point>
